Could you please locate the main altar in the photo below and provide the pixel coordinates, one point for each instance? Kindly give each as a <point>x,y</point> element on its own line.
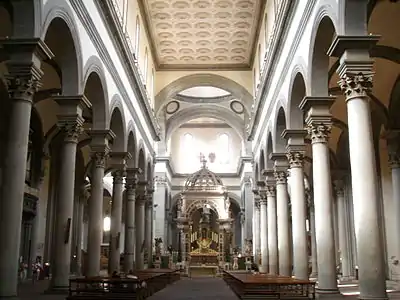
<point>204,223</point>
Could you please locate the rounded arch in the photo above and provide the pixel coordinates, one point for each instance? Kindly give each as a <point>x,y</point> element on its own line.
<point>235,199</point>
<point>149,174</point>
<point>100,105</point>
<point>141,161</point>
<point>322,35</point>
<point>199,203</point>
<point>203,79</point>
<point>269,150</point>
<point>131,146</point>
<point>261,162</point>
<point>118,125</point>
<point>215,112</point>
<point>59,21</point>
<point>279,143</point>
<point>297,91</point>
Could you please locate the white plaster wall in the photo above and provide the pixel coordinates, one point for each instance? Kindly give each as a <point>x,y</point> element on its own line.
<point>206,141</point>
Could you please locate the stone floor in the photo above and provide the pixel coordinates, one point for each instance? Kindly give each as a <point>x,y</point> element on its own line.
<point>206,288</point>
<point>185,289</point>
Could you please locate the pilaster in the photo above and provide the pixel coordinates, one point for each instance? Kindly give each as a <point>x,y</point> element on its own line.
<point>160,203</point>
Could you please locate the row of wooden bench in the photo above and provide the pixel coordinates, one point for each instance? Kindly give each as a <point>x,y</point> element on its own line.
<point>249,286</point>
<point>147,283</point>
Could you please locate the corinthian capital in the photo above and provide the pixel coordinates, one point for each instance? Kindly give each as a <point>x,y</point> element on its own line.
<point>72,128</point>
<point>394,160</point>
<point>23,84</point>
<point>356,85</point>
<point>296,159</point>
<point>99,158</point>
<point>280,177</point>
<point>270,190</point>
<point>118,176</point>
<point>319,132</point>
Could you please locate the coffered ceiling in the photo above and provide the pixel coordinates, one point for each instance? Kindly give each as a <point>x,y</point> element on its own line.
<point>203,34</point>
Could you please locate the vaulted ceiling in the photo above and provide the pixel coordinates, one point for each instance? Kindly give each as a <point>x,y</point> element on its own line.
<point>203,34</point>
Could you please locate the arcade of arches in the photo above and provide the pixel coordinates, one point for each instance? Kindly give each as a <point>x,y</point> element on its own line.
<point>147,134</point>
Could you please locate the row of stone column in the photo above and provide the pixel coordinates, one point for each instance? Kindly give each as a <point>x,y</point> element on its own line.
<point>356,83</point>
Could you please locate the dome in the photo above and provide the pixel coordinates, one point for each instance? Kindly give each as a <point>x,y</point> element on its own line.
<point>203,179</point>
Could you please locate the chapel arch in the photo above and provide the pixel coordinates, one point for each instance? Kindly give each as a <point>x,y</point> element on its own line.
<point>117,126</point>
<point>279,143</point>
<point>296,95</point>
<point>131,148</point>
<point>323,34</point>
<point>270,163</point>
<point>261,163</point>
<point>142,163</point>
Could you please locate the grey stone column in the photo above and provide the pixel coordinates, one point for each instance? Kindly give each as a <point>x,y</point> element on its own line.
<point>256,227</point>
<point>71,126</point>
<point>263,227</point>
<point>393,144</point>
<point>140,225</point>
<point>314,261</point>
<point>242,216</point>
<point>282,199</point>
<point>22,82</point>
<point>116,220</point>
<point>100,152</point>
<point>296,150</point>
<point>130,225</point>
<point>148,232</point>
<point>356,76</point>
<point>248,208</point>
<point>78,259</point>
<point>272,222</point>
<point>343,245</point>
<point>319,123</point>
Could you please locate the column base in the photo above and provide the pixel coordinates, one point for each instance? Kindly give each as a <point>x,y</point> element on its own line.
<point>263,269</point>
<point>313,275</point>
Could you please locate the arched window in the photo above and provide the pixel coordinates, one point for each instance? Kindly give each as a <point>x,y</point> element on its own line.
<point>137,37</point>
<point>146,65</point>
<point>223,148</point>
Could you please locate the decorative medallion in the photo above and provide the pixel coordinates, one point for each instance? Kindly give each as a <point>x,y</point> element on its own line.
<point>237,107</point>
<point>172,107</point>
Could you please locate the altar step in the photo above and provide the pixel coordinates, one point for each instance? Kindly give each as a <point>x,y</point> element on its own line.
<point>196,288</point>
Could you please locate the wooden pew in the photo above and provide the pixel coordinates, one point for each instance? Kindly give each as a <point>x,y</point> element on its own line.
<point>249,286</point>
<point>147,283</point>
